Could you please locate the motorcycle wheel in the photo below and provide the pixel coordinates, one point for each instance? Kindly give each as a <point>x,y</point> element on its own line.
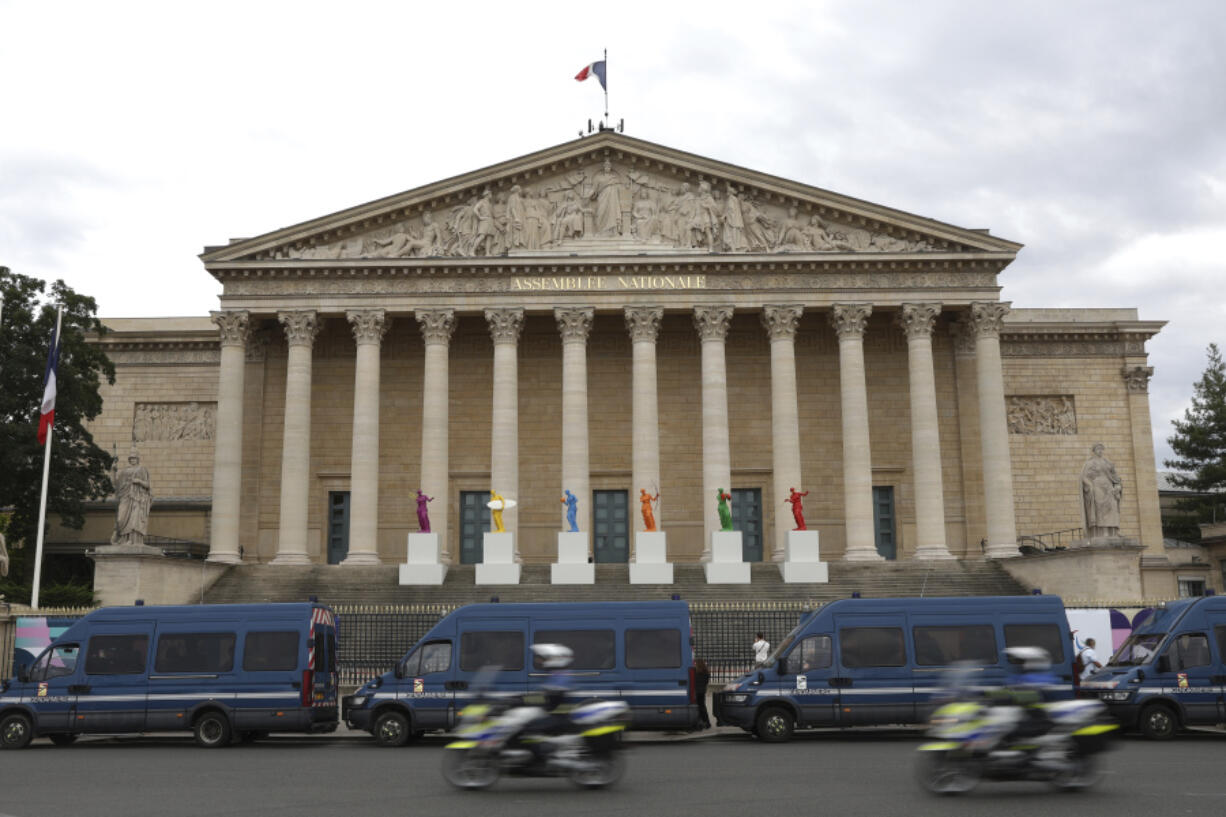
<point>1080,773</point>
<point>465,769</point>
<point>599,771</point>
<point>945,773</point>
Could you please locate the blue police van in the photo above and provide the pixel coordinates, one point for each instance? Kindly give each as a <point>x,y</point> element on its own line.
<point>860,662</point>
<point>1171,672</point>
<point>222,671</point>
<point>639,652</point>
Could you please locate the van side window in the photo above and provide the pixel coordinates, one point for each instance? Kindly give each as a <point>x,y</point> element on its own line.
<point>593,649</point>
<point>117,654</point>
<point>504,650</point>
<point>1046,636</point>
<point>194,652</point>
<point>435,657</point>
<point>270,651</point>
<point>653,649</point>
<point>812,653</point>
<point>872,647</point>
<point>1189,650</point>
<point>55,663</point>
<point>1220,632</point>
<point>941,646</point>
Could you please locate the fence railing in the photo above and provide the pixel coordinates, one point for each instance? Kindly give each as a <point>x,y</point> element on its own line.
<point>1053,540</point>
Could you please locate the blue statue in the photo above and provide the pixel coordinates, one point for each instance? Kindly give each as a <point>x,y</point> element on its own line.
<point>572,508</point>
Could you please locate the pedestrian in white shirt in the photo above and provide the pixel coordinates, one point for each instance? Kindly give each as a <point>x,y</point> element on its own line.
<point>761,650</point>
<point>1090,659</point>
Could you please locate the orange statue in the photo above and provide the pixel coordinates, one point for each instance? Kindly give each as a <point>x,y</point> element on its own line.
<point>798,511</point>
<point>649,518</point>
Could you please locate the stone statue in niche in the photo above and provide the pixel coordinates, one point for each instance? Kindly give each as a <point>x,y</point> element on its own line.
<point>1101,492</point>
<point>135,497</point>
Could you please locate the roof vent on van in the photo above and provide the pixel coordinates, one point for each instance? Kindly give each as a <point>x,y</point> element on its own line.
<point>676,597</point>
<point>855,594</point>
<point>1034,591</point>
<point>493,599</point>
<point>1209,591</point>
<point>313,599</point>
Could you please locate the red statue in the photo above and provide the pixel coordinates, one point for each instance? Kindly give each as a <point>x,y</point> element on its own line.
<point>649,518</point>
<point>798,510</point>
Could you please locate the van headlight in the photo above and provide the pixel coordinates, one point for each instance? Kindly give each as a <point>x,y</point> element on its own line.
<point>358,701</point>
<point>1121,695</point>
<point>737,697</point>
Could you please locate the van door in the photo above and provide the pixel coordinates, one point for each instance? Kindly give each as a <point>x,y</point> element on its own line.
<point>1186,669</point>
<point>112,695</point>
<point>426,684</point>
<point>952,649</point>
<point>655,683</point>
<point>805,676</point>
<point>491,642</point>
<point>55,679</point>
<point>1218,622</point>
<point>873,674</point>
<point>189,665</point>
<point>593,671</point>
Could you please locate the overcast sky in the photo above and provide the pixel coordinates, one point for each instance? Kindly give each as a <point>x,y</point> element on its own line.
<point>132,134</point>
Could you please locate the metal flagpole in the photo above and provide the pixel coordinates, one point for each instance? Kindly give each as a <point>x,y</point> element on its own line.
<point>606,87</point>
<point>42,505</point>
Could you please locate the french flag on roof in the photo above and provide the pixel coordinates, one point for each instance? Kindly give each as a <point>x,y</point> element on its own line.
<point>48,409</point>
<point>595,69</point>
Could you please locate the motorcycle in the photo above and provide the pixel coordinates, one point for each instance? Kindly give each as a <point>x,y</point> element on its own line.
<point>975,741</point>
<point>492,739</point>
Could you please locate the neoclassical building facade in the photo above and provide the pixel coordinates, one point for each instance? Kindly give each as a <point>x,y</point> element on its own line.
<point>611,317</point>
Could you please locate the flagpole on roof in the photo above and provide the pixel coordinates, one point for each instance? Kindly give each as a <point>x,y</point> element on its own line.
<point>42,504</point>
<point>606,87</point>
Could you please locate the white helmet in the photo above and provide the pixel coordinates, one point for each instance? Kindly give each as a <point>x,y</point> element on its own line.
<point>1030,659</point>
<point>553,656</point>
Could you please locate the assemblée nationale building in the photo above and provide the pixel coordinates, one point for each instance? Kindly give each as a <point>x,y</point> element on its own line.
<point>610,316</point>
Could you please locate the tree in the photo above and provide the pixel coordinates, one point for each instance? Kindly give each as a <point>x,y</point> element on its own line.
<point>79,468</point>
<point>1199,443</point>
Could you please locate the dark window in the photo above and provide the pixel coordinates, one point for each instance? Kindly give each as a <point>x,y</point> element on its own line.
<point>883,521</point>
<point>653,649</point>
<point>270,651</point>
<point>504,650</point>
<point>56,662</point>
<point>1046,636</point>
<point>1220,632</point>
<point>194,652</point>
<point>594,649</point>
<point>940,646</point>
<point>1189,650</point>
<point>338,526</point>
<point>117,654</point>
<point>872,647</point>
<point>432,657</point>
<point>812,653</point>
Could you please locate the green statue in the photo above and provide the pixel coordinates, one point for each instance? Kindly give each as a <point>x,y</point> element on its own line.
<point>725,513</point>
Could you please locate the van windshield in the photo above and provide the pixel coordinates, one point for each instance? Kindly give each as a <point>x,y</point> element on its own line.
<point>784,645</point>
<point>1137,650</point>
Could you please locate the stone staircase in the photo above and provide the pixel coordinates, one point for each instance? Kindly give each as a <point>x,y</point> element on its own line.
<point>378,584</point>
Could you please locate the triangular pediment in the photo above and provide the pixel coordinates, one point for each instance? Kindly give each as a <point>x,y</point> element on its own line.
<point>608,195</point>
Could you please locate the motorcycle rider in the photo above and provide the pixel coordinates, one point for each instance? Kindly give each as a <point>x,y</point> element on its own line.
<point>556,658</point>
<point>1017,707</point>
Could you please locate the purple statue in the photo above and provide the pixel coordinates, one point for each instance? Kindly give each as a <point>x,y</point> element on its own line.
<point>423,515</point>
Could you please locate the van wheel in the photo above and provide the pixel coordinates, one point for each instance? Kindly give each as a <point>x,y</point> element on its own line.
<point>16,731</point>
<point>775,725</point>
<point>63,739</point>
<point>212,730</point>
<point>391,729</point>
<point>1158,722</point>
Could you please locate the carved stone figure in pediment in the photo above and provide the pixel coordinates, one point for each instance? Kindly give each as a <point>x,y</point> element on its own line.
<point>758,228</point>
<point>608,194</point>
<point>646,224</point>
<point>568,218</point>
<point>516,219</point>
<point>536,220</point>
<point>705,226</point>
<point>792,232</point>
<point>486,236</point>
<point>734,222</point>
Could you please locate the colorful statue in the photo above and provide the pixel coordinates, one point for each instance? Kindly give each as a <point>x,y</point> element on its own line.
<point>798,511</point>
<point>496,505</point>
<point>572,507</point>
<point>725,512</point>
<point>423,514</point>
<point>649,518</point>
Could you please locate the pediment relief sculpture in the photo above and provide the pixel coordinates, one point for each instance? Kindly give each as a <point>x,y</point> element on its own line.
<point>610,208</point>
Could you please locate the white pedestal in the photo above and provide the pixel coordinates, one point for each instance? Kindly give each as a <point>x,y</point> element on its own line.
<point>423,566</point>
<point>650,565</point>
<point>572,566</point>
<point>727,565</point>
<point>498,564</point>
<point>803,562</point>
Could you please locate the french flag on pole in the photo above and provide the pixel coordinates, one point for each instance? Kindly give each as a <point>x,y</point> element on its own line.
<point>48,410</point>
<point>595,69</point>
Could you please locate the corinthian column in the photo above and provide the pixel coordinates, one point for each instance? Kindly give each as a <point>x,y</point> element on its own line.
<point>712,323</point>
<point>575,325</point>
<point>643,323</point>
<point>916,321</point>
<point>986,319</point>
<point>505,326</point>
<point>301,327</point>
<point>849,321</point>
<point>780,323</point>
<point>228,447</point>
<point>437,326</point>
<point>369,326</point>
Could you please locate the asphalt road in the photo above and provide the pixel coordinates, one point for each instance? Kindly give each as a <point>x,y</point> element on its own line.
<point>855,773</point>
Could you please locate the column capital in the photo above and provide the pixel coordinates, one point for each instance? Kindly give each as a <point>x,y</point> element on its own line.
<point>235,326</point>
<point>781,321</point>
<point>643,322</point>
<point>986,317</point>
<point>505,324</point>
<point>575,323</point>
<point>369,325</point>
<point>301,326</point>
<point>917,319</point>
<point>437,325</point>
<point>712,322</point>
<point>1136,378</point>
<point>849,320</point>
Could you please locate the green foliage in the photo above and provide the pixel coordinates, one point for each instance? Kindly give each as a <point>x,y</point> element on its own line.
<point>1199,443</point>
<point>79,468</point>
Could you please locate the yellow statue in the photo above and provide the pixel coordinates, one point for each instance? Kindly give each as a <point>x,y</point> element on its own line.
<point>496,505</point>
